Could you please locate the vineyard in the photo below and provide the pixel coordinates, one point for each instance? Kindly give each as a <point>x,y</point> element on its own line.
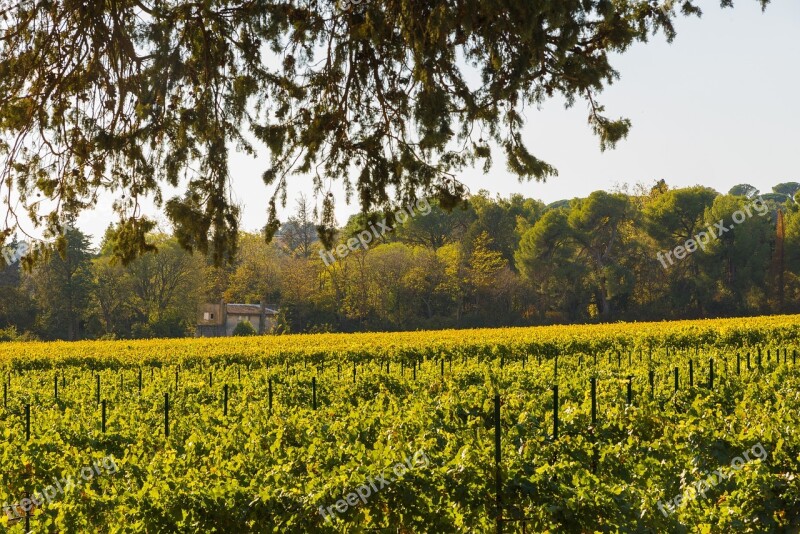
<point>548,429</point>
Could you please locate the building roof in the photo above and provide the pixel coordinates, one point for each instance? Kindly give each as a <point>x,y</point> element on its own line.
<point>244,309</point>
<point>248,309</point>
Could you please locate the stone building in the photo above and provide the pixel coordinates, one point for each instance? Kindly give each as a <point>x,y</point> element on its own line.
<point>218,319</point>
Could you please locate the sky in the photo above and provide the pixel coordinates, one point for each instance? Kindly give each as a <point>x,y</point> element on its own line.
<point>716,107</point>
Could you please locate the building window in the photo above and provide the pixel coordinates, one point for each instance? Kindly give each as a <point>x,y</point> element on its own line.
<point>208,316</point>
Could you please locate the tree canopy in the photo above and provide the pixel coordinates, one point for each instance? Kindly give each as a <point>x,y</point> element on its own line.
<point>609,256</point>
<point>393,98</point>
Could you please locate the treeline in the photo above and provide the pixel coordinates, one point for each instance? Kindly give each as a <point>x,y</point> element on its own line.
<point>648,253</point>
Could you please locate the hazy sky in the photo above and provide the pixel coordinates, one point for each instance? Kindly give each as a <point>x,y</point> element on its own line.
<point>719,106</point>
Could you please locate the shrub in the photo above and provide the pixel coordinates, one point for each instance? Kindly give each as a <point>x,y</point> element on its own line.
<point>244,329</point>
